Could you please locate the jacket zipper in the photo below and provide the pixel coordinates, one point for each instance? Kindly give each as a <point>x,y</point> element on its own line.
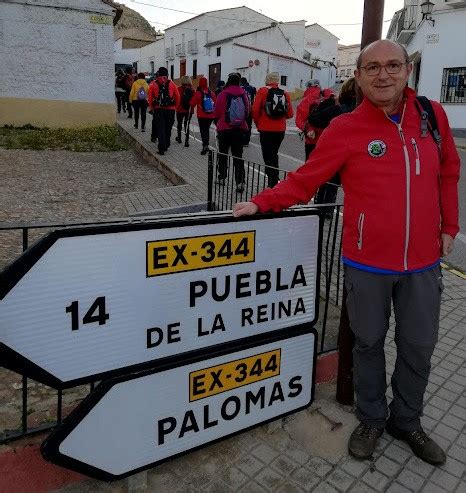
<point>418,161</point>
<point>408,184</point>
<point>360,230</point>
<point>408,195</point>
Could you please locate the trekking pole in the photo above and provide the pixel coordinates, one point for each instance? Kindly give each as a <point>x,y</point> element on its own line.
<point>186,128</point>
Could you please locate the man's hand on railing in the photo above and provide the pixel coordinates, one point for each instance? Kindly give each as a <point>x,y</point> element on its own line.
<point>245,209</point>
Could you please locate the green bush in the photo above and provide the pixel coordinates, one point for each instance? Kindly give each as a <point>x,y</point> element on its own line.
<point>102,138</point>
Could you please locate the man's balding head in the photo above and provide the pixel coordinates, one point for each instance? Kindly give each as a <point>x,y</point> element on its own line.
<point>381,42</point>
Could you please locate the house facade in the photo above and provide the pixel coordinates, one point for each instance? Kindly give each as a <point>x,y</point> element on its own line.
<point>435,43</point>
<point>57,63</point>
<point>242,40</point>
<point>346,61</point>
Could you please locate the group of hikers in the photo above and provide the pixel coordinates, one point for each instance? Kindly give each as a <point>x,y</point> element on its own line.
<point>232,107</point>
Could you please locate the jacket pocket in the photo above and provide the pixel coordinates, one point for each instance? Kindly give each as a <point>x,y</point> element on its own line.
<point>360,230</point>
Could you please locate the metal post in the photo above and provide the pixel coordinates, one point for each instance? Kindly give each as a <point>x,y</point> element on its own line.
<point>371,31</point>
<point>210,179</point>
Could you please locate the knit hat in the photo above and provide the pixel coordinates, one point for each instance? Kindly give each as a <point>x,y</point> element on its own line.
<point>272,78</point>
<point>163,72</point>
<point>313,83</point>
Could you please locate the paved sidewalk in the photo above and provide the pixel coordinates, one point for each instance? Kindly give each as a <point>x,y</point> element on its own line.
<point>307,451</point>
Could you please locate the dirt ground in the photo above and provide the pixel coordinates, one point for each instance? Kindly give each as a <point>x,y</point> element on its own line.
<point>58,186</point>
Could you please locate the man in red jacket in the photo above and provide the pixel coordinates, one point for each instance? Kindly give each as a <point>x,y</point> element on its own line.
<point>400,217</point>
<point>272,107</point>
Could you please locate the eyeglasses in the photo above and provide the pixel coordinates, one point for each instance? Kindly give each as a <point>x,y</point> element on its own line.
<point>391,68</point>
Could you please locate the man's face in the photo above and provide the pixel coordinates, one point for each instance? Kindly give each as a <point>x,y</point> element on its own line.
<point>383,89</point>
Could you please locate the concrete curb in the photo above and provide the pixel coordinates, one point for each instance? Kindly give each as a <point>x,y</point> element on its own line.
<point>170,172</point>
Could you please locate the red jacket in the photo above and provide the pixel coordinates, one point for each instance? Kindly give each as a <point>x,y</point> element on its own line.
<point>396,204</point>
<point>196,101</point>
<point>179,108</point>
<point>221,107</point>
<point>311,96</point>
<point>154,93</point>
<point>263,122</point>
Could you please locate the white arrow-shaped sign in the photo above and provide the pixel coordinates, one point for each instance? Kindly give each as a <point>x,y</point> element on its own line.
<point>131,423</point>
<point>88,303</point>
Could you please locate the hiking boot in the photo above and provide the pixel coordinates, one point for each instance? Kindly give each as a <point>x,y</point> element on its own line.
<point>136,125</point>
<point>363,440</point>
<point>153,139</point>
<point>160,153</point>
<point>205,150</point>
<point>422,446</point>
<point>143,129</point>
<point>186,144</point>
<point>129,116</point>
<point>178,139</point>
<point>240,188</point>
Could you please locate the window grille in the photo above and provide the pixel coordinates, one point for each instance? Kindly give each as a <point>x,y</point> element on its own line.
<point>453,85</point>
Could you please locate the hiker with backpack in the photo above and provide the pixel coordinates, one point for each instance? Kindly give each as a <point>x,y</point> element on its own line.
<point>400,169</point>
<point>164,98</point>
<point>271,108</point>
<point>129,81</point>
<point>120,91</point>
<point>231,111</point>
<point>138,98</point>
<point>183,110</point>
<point>204,101</point>
<point>312,95</point>
<point>251,94</point>
<point>320,117</point>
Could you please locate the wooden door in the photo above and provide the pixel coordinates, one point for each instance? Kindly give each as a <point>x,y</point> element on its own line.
<point>214,74</point>
<point>182,67</point>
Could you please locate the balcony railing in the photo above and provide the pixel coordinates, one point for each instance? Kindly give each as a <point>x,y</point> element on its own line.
<point>180,50</point>
<point>192,46</point>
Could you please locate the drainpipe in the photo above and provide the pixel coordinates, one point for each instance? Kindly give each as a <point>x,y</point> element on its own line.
<point>371,31</point>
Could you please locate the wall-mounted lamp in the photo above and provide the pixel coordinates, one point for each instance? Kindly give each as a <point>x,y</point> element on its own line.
<point>426,9</point>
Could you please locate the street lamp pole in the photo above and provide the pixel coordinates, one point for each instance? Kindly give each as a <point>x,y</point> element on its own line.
<point>371,31</point>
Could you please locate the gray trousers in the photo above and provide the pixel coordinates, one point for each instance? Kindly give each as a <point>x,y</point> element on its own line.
<point>416,304</point>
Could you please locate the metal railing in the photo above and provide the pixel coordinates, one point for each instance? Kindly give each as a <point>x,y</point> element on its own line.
<point>224,193</point>
<point>38,408</point>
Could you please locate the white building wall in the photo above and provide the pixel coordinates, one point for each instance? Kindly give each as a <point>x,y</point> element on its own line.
<point>321,43</point>
<point>297,73</point>
<point>153,52</point>
<point>51,51</point>
<point>295,32</point>
<point>270,39</point>
<point>346,60</point>
<point>436,55</point>
<point>210,27</point>
<point>126,56</point>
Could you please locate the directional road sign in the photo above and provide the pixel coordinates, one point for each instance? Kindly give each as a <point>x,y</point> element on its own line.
<point>88,303</point>
<point>131,423</point>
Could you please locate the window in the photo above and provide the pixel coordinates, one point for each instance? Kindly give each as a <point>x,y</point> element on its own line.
<point>283,80</point>
<point>194,69</point>
<point>219,50</point>
<point>453,85</point>
<point>348,71</point>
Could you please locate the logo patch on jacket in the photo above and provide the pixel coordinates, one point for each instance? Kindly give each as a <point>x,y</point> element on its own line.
<point>377,148</point>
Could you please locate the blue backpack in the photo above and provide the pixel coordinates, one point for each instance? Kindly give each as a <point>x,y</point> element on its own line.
<point>208,104</point>
<point>141,95</point>
<point>236,112</point>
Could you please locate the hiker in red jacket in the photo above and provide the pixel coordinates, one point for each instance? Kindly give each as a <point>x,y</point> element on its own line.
<point>400,217</point>
<point>312,95</point>
<point>231,112</point>
<point>272,107</point>
<point>163,100</point>
<point>204,102</point>
<point>183,109</point>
